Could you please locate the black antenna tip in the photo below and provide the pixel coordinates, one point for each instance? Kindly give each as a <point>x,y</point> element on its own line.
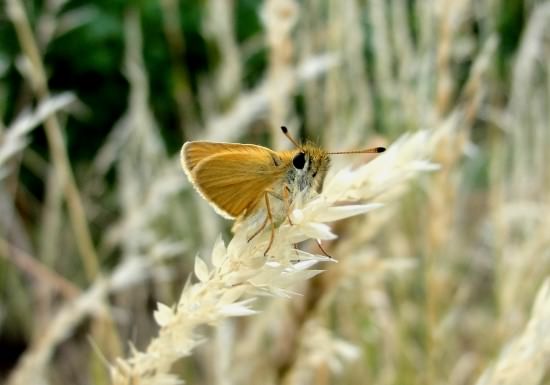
<point>380,149</point>
<point>285,130</point>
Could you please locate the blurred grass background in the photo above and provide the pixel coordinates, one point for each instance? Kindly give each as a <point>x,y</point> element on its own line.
<point>98,183</point>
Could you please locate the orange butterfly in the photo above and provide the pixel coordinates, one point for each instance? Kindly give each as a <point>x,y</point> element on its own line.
<point>238,180</point>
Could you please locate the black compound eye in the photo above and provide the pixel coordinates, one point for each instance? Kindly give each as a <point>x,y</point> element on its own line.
<point>299,160</point>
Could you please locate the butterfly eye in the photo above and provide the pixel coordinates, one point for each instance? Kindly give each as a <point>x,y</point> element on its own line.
<point>299,161</point>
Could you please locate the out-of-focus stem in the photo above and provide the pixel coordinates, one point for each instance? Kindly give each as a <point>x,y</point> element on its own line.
<point>279,19</point>
<point>444,79</point>
<point>107,334</point>
<point>443,194</point>
<point>181,90</point>
<point>220,26</point>
<point>31,266</point>
<point>54,136</point>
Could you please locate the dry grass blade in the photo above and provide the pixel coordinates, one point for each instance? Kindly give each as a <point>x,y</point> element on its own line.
<point>15,138</point>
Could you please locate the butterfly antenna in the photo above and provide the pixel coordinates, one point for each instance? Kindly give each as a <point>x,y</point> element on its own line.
<point>373,150</point>
<point>285,131</point>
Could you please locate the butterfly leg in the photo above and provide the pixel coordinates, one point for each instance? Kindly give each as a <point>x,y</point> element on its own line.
<point>262,226</point>
<point>286,200</point>
<point>270,217</point>
<point>323,250</point>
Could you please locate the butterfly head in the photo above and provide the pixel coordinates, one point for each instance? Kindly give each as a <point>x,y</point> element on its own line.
<point>310,164</point>
<point>309,167</point>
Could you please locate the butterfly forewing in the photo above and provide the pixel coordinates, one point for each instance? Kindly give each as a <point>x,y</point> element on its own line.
<point>193,152</point>
<point>233,177</point>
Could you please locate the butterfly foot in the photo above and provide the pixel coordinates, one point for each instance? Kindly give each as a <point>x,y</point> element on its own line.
<point>323,250</point>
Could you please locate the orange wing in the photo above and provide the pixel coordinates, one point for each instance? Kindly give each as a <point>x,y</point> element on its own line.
<point>231,176</point>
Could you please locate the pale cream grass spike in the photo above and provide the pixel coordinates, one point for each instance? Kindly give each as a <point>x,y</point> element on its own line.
<point>240,272</point>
